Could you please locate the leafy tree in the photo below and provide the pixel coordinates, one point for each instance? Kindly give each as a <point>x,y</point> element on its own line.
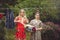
<point>49,9</point>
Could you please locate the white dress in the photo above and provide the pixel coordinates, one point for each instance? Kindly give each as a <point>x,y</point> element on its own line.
<point>36,35</point>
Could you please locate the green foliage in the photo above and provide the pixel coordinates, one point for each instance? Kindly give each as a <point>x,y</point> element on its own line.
<point>49,11</point>
<point>2,32</point>
<point>48,8</point>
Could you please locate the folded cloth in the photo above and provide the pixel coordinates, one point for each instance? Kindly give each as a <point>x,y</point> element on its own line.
<point>30,28</point>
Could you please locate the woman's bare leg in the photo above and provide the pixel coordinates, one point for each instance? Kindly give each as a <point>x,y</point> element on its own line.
<point>24,39</point>
<point>17,39</point>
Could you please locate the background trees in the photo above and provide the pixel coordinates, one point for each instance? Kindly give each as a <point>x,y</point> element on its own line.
<point>49,11</point>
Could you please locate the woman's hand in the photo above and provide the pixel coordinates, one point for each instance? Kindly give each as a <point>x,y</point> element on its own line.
<point>39,29</point>
<point>26,20</point>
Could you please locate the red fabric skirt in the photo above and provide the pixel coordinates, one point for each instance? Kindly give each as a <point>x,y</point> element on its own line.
<point>20,31</point>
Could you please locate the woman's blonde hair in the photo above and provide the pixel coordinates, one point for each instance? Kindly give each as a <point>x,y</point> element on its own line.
<point>23,11</point>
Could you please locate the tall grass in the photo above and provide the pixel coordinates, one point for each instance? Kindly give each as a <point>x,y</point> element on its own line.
<point>10,34</point>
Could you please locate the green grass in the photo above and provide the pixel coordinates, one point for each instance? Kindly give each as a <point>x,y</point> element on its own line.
<point>10,34</point>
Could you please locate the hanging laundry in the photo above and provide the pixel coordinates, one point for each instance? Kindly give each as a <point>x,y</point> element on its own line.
<point>9,19</point>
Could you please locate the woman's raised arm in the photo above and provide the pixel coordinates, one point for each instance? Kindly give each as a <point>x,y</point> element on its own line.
<point>16,19</point>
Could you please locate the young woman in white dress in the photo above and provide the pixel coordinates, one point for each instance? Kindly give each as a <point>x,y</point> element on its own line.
<point>37,23</point>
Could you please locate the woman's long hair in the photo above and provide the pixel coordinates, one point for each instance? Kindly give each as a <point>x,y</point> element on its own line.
<point>24,13</point>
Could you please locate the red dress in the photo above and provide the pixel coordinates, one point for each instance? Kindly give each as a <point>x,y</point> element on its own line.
<point>20,30</point>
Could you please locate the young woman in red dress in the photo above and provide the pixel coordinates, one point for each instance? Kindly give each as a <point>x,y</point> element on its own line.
<point>21,20</point>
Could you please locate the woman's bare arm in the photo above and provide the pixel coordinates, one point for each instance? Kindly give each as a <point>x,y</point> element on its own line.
<point>15,20</point>
<point>39,28</point>
<point>26,20</point>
